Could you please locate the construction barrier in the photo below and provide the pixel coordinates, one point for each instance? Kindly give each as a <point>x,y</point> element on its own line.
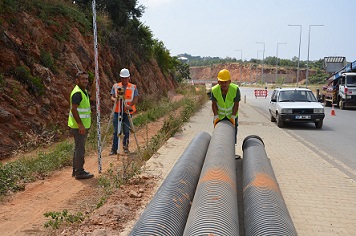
<point>261,93</point>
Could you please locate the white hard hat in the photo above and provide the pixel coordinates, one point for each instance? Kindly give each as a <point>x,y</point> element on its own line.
<point>124,73</point>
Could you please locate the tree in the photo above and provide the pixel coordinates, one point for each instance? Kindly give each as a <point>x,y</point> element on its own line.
<point>162,56</point>
<point>183,72</point>
<point>121,12</point>
<point>319,77</point>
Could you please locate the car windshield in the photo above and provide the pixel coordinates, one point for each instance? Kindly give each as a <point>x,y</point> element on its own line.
<point>351,80</point>
<point>296,96</point>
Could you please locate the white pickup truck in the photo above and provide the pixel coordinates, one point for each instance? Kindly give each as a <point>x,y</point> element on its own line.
<point>298,105</point>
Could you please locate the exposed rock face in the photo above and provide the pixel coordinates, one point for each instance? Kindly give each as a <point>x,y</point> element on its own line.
<point>24,114</point>
<point>245,73</point>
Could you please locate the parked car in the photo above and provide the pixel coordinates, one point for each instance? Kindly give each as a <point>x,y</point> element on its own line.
<point>295,105</point>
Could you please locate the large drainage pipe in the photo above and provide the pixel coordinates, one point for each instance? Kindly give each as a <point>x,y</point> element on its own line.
<point>214,208</point>
<point>168,210</point>
<point>265,212</point>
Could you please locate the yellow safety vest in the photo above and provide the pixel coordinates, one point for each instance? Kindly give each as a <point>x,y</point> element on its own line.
<point>225,106</point>
<point>83,110</point>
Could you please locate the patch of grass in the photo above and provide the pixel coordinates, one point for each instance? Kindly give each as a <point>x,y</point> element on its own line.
<point>173,124</point>
<point>14,175</point>
<point>63,217</point>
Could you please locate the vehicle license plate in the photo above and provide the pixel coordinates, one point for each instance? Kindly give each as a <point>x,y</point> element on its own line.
<point>302,117</point>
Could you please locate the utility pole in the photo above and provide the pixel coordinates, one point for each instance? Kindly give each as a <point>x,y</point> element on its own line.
<point>300,41</point>
<point>240,78</point>
<point>277,62</point>
<point>307,73</point>
<point>263,59</point>
<point>257,60</point>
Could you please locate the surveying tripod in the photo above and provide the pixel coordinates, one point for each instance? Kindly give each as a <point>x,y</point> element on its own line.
<point>120,98</point>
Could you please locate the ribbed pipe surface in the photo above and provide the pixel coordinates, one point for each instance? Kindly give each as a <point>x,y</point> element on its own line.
<point>168,210</point>
<point>214,208</point>
<point>265,212</point>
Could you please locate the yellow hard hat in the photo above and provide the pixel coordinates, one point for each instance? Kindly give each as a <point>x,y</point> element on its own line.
<point>224,75</point>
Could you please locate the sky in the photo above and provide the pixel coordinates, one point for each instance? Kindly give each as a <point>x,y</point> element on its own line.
<point>245,28</point>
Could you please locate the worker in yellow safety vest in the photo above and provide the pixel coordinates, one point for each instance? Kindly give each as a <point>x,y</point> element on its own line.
<point>225,97</point>
<point>79,121</point>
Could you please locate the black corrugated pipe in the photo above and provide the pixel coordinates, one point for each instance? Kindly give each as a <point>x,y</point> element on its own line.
<point>265,212</point>
<point>214,208</point>
<point>168,210</point>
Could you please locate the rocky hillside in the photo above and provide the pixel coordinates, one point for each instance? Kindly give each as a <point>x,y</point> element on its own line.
<point>38,61</point>
<point>246,73</point>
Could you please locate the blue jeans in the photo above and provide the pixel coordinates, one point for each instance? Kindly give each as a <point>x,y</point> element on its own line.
<point>125,126</point>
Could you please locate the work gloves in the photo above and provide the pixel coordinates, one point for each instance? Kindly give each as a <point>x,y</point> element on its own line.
<point>232,120</point>
<point>217,119</point>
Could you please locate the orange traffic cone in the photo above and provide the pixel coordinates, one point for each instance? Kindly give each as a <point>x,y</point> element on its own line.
<point>332,110</point>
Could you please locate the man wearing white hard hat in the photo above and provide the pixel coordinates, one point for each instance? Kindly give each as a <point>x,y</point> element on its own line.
<point>130,94</point>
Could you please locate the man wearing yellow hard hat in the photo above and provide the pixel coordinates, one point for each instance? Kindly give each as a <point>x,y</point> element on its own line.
<point>225,97</point>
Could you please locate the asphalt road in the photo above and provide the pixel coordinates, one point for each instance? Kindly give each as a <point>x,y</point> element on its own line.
<point>335,141</point>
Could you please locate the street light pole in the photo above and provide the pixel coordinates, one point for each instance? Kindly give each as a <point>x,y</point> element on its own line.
<point>263,58</point>
<point>258,51</point>
<point>300,41</point>
<point>307,73</point>
<point>277,62</point>
<point>240,50</point>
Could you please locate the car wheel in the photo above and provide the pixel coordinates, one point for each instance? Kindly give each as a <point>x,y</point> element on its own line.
<point>319,124</point>
<point>272,117</point>
<point>341,105</point>
<point>327,103</point>
<point>279,121</point>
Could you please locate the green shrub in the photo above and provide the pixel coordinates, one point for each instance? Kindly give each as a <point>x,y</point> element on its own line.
<point>35,84</point>
<point>2,82</point>
<point>46,59</point>
<point>58,218</point>
<point>13,175</point>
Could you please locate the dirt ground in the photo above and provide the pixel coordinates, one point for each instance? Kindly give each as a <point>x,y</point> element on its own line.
<point>23,212</point>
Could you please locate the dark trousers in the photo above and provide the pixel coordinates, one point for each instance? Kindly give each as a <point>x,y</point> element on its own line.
<point>79,149</point>
<point>236,128</point>
<point>125,129</point>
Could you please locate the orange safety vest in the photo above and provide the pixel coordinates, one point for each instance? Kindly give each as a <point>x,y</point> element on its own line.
<point>129,96</point>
